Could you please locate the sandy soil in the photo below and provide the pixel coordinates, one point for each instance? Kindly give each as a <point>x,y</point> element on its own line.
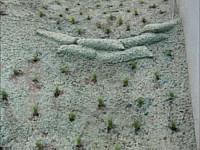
<point>20,130</point>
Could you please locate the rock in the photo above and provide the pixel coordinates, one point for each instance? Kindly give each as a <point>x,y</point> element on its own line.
<point>143,39</point>
<point>59,37</point>
<point>77,50</point>
<point>159,28</point>
<point>127,55</point>
<point>102,44</point>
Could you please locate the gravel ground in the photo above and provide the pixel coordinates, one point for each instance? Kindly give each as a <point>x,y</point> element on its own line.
<point>20,130</point>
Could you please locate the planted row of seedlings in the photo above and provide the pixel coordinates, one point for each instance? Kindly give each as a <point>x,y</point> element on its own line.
<point>100,102</point>
<point>111,17</point>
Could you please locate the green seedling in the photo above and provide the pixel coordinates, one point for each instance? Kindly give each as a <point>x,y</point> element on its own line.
<point>72,20</point>
<point>168,53</point>
<point>57,92</point>
<point>111,17</point>
<point>128,11</point>
<point>39,145</point>
<point>100,102</point>
<point>134,65</point>
<point>35,80</point>
<point>4,95</point>
<point>104,12</point>
<point>141,1</point>
<point>98,5</point>
<point>117,147</point>
<point>171,95</point>
<point>120,21</point>
<point>58,22</point>
<point>125,82</point>
<point>173,125</point>
<point>144,20</point>
<point>79,31</point>
<point>64,70</point>
<point>98,24</point>
<point>41,14</point>
<point>157,75</point>
<point>137,125</point>
<point>36,58</point>
<point>17,72</point>
<point>79,142</point>
<point>121,4</point>
<point>72,116</point>
<point>152,5</point>
<point>110,123</point>
<point>94,77</point>
<point>78,4</point>
<point>162,11</point>
<point>35,111</point>
<point>140,101</point>
<point>88,17</point>
<point>128,27</point>
<point>107,30</point>
<point>135,12</point>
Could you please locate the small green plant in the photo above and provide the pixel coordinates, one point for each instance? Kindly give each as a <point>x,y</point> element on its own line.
<point>64,70</point>
<point>39,145</point>
<point>72,20</point>
<point>128,27</point>
<point>144,20</point>
<point>173,125</point>
<point>78,4</point>
<point>57,92</point>
<point>107,30</point>
<point>121,4</point>
<point>35,80</point>
<point>117,147</point>
<point>152,5</point>
<point>100,102</point>
<point>157,75</point>
<point>58,22</point>
<point>162,11</point>
<point>41,14</point>
<point>125,82</point>
<point>140,101</point>
<point>4,95</point>
<point>128,10</point>
<point>35,111</point>
<point>135,12</point>
<point>111,17</point>
<point>79,142</point>
<point>120,21</point>
<point>36,58</point>
<point>134,65</point>
<point>98,24</point>
<point>72,116</point>
<point>79,31</point>
<point>94,77</point>
<point>168,52</point>
<point>171,95</point>
<point>137,124</point>
<point>17,72</point>
<point>98,5</point>
<point>141,1</point>
<point>110,123</point>
<point>88,17</point>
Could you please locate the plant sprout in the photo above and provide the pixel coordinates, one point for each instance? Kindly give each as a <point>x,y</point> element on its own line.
<point>140,101</point>
<point>110,123</point>
<point>57,92</point>
<point>4,95</point>
<point>72,20</point>
<point>173,125</point>
<point>125,82</point>
<point>100,102</point>
<point>72,116</point>
<point>35,111</point>
<point>64,70</point>
<point>157,75</point>
<point>94,77</point>
<point>39,145</point>
<point>137,124</point>
<point>134,65</point>
<point>17,72</point>
<point>120,21</point>
<point>79,141</point>
<point>128,27</point>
